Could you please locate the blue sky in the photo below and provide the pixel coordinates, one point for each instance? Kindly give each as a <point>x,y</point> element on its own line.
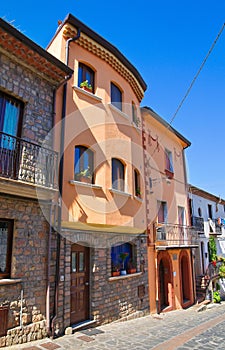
<point>166,41</point>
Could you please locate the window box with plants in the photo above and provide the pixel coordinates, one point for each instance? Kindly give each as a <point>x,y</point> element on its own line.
<point>131,267</point>
<point>86,86</point>
<point>84,176</point>
<point>116,270</point>
<point>138,192</point>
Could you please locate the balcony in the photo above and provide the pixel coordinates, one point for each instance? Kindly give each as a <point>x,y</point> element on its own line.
<point>27,162</point>
<point>214,227</point>
<point>198,223</point>
<point>172,235</point>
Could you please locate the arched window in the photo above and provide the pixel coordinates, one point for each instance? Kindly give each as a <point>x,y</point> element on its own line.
<point>137,185</point>
<point>116,96</point>
<point>117,175</point>
<point>84,164</point>
<point>135,118</point>
<point>85,73</point>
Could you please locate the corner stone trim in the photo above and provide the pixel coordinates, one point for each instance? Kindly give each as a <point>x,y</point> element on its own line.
<point>18,335</point>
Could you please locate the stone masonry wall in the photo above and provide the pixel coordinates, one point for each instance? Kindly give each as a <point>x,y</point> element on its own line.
<point>35,92</point>
<point>29,262</point>
<point>115,298</point>
<point>111,298</point>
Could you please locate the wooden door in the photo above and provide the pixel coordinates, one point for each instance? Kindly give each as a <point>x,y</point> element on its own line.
<point>79,284</point>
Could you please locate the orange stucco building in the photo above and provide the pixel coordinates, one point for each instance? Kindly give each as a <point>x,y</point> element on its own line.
<point>171,239</point>
<point>103,227</point>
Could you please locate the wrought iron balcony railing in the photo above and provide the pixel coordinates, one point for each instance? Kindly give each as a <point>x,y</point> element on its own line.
<point>175,235</point>
<point>27,161</point>
<point>214,227</point>
<point>198,223</point>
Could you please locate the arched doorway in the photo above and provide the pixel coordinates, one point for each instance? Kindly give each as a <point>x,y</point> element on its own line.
<point>165,283</point>
<point>185,278</point>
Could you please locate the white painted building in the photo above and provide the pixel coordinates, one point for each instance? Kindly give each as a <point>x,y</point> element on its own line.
<point>207,213</point>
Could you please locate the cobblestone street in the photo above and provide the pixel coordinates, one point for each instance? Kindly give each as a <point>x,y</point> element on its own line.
<point>180,330</point>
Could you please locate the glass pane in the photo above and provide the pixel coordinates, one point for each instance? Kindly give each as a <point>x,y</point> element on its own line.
<point>81,261</point>
<point>3,245</point>
<point>73,264</point>
<point>116,96</point>
<point>80,75</point>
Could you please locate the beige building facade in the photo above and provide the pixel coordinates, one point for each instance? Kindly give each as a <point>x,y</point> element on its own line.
<point>103,209</point>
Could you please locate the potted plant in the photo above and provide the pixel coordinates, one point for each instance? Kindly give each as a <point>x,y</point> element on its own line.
<point>84,175</point>
<point>138,192</point>
<point>131,266</point>
<point>115,270</point>
<point>123,257</point>
<point>86,86</point>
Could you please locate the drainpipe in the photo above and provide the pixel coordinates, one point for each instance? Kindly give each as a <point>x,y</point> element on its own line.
<point>61,163</point>
<point>52,208</point>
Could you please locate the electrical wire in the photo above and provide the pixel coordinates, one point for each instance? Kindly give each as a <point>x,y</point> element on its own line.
<point>197,74</point>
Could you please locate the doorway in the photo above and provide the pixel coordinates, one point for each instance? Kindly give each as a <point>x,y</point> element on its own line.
<point>79,290</point>
<point>165,284</point>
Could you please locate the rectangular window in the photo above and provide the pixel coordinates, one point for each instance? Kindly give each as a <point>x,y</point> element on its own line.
<point>162,212</point>
<point>169,160</point>
<point>210,211</point>
<point>6,233</point>
<point>181,216</point>
<point>10,114</point>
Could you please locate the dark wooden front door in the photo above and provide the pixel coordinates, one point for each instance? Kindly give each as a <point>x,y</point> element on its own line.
<point>79,283</point>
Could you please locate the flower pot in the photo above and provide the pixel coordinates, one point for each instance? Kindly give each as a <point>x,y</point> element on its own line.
<point>85,179</point>
<point>123,272</point>
<point>86,89</point>
<point>133,270</point>
<point>115,273</point>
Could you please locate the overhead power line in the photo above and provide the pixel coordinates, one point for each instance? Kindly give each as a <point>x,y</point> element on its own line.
<point>197,74</point>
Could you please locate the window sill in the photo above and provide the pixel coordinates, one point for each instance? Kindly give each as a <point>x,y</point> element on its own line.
<point>139,199</point>
<point>117,110</point>
<point>122,277</point>
<point>86,93</point>
<point>6,281</point>
<point>85,184</point>
<point>169,173</point>
<point>137,128</point>
<point>120,193</point>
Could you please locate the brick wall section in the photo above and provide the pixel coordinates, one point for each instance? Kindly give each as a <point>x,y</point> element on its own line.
<point>35,92</point>
<point>111,299</point>
<point>116,298</point>
<point>29,261</point>
<point>30,238</point>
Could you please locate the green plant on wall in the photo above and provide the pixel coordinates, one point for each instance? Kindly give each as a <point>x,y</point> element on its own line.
<point>212,249</point>
<point>216,297</point>
<point>222,271</point>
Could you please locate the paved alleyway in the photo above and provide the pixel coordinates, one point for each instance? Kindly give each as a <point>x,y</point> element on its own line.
<point>180,330</point>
